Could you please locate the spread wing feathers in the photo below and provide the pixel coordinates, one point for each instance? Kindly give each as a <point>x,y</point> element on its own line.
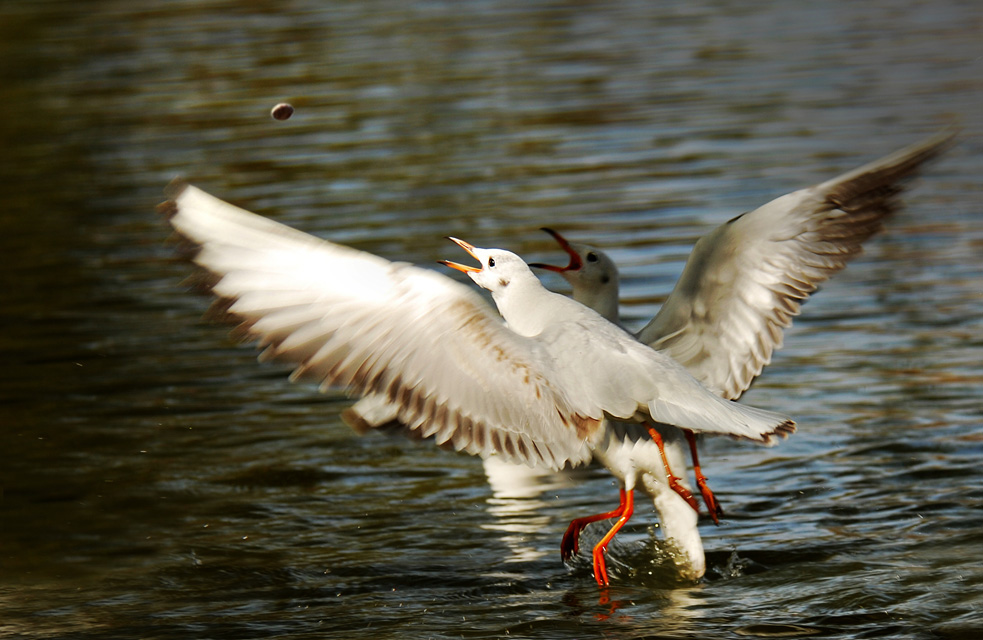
<point>746,280</point>
<point>627,382</point>
<point>630,381</point>
<point>429,345</point>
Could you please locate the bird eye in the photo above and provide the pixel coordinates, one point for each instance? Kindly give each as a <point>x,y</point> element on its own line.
<point>591,257</point>
<point>491,262</point>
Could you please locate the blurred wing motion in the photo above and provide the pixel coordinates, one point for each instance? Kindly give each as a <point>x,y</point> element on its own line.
<point>745,281</point>
<point>427,344</point>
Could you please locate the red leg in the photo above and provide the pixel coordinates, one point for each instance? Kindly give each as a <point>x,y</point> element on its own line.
<point>600,569</point>
<point>673,480</point>
<point>716,511</point>
<point>571,539</point>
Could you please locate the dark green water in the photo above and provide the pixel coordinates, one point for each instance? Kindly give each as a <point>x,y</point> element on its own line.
<point>156,482</point>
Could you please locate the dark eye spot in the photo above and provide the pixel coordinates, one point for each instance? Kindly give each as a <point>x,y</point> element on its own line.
<point>591,257</point>
<point>491,262</point>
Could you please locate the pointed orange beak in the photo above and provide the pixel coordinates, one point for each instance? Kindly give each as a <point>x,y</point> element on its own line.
<point>575,262</point>
<point>461,267</point>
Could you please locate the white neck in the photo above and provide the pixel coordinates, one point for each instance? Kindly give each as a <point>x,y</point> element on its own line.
<point>603,300</point>
<point>527,306</point>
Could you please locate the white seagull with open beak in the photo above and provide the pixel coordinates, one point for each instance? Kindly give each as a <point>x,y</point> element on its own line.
<point>542,390</point>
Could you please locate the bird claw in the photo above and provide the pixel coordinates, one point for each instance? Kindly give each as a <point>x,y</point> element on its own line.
<point>713,507</point>
<point>600,567</point>
<point>570,544</point>
<point>683,492</point>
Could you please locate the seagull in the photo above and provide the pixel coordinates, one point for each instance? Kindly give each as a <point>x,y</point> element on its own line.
<point>545,381</point>
<point>742,284</point>
<point>745,280</point>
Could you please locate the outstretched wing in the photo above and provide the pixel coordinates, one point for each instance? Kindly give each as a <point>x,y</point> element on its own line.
<point>431,346</point>
<point>746,280</point>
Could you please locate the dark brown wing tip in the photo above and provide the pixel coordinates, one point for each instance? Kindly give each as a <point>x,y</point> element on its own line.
<point>918,153</point>
<point>175,188</point>
<point>201,281</point>
<point>945,138</point>
<point>167,209</point>
<point>881,180</point>
<point>783,431</point>
<point>172,191</point>
<point>219,310</point>
<point>393,428</point>
<point>355,421</point>
<point>932,147</point>
<point>786,428</point>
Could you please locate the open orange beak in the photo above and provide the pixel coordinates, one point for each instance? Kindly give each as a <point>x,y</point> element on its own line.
<point>575,262</point>
<point>462,267</point>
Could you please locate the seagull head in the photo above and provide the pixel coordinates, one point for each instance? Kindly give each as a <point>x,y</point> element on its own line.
<point>498,270</point>
<point>592,274</point>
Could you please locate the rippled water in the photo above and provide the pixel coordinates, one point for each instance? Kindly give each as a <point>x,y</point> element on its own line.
<point>158,482</point>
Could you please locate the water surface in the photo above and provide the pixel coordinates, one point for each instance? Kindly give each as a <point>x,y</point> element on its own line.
<point>157,482</point>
